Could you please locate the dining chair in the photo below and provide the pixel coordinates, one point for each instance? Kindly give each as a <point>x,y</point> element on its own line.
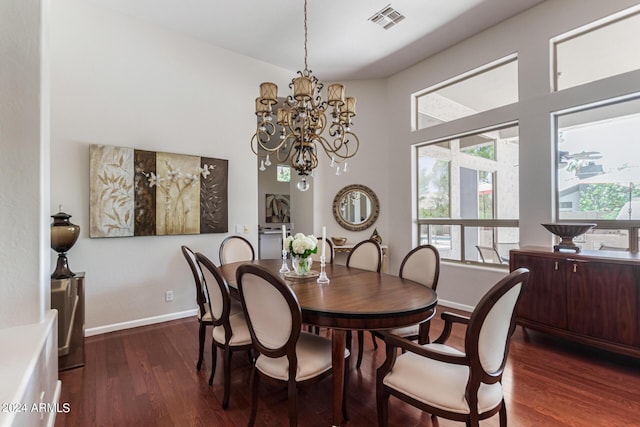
<point>446,382</point>
<point>366,255</point>
<point>422,265</point>
<point>230,331</point>
<point>202,298</point>
<point>329,255</point>
<point>286,354</point>
<point>236,249</point>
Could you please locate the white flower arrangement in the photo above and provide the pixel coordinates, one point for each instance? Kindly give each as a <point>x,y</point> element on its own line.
<point>302,246</point>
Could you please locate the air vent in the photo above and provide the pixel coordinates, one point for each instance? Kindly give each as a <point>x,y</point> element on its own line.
<point>387,17</point>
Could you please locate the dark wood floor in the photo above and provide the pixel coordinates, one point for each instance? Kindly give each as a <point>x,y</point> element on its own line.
<point>147,377</point>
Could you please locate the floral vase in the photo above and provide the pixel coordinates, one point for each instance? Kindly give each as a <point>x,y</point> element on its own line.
<point>301,266</point>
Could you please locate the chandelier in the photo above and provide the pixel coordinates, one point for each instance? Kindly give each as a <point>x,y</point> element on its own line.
<point>301,123</point>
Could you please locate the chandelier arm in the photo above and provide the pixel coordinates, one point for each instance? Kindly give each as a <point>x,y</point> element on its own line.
<point>286,158</point>
<point>342,148</point>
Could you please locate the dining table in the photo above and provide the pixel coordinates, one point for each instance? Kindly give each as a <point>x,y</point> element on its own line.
<point>354,299</point>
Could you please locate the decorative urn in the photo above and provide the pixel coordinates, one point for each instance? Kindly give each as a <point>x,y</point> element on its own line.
<point>63,236</point>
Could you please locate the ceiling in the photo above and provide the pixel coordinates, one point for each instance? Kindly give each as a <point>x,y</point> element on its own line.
<point>342,42</point>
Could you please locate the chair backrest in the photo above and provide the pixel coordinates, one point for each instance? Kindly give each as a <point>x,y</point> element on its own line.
<point>329,252</point>
<point>366,255</point>
<point>236,249</point>
<point>490,328</point>
<point>272,311</point>
<point>202,296</point>
<point>489,254</point>
<point>422,265</point>
<point>219,299</point>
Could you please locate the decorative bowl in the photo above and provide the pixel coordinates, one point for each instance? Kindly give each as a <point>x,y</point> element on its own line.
<point>339,241</point>
<point>567,231</point>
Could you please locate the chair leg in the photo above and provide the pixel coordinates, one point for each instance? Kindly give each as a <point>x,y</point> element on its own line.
<point>214,357</point>
<point>226,361</point>
<point>375,343</point>
<point>360,348</point>
<point>293,403</point>
<point>382,401</point>
<point>503,415</point>
<point>202,335</point>
<point>255,382</point>
<point>345,388</point>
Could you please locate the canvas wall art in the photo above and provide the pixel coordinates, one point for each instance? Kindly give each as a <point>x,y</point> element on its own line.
<point>277,206</point>
<point>146,193</point>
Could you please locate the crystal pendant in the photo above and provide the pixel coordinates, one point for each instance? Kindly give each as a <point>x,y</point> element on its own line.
<point>303,185</point>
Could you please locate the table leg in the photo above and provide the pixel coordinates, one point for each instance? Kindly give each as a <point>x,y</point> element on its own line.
<point>338,341</point>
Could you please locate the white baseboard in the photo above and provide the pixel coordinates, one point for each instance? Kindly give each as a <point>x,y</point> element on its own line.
<point>139,322</point>
<point>182,314</point>
<point>456,305</point>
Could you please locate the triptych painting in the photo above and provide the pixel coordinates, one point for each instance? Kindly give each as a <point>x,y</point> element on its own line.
<point>146,193</point>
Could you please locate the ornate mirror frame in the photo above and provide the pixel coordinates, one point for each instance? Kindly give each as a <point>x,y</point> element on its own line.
<point>368,222</point>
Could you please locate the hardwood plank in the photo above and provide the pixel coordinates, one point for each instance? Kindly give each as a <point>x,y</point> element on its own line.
<point>147,377</point>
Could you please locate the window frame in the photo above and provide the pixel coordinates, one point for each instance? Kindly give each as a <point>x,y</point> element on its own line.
<point>580,31</point>
<point>462,223</point>
<point>504,60</point>
<point>632,226</point>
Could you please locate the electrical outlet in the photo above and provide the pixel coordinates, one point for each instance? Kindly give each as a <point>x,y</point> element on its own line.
<point>246,229</point>
<point>168,296</point>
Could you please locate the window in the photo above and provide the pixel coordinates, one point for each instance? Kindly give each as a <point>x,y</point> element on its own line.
<point>468,195</point>
<point>483,89</point>
<point>283,174</point>
<point>598,170</point>
<point>599,50</point>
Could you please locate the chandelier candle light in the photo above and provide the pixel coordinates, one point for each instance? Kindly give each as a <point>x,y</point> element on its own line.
<point>302,121</point>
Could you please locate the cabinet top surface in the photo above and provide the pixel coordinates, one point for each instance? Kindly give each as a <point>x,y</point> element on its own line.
<point>585,255</point>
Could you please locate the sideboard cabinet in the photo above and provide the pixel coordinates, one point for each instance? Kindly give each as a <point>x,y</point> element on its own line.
<point>592,297</point>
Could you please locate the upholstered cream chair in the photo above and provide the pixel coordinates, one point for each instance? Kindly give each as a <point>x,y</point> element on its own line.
<point>445,382</point>
<point>422,265</point>
<point>236,249</point>
<point>286,354</point>
<point>202,298</point>
<point>230,332</point>
<point>366,255</point>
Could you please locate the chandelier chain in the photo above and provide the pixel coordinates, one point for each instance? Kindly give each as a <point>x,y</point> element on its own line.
<point>306,67</point>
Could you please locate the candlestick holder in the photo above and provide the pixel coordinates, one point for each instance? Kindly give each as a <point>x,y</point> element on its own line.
<point>285,266</point>
<point>323,274</point>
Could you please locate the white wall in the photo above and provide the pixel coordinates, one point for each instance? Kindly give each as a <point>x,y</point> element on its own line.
<point>28,333</point>
<point>528,34</point>
<point>24,165</point>
<point>368,167</point>
<point>119,81</point>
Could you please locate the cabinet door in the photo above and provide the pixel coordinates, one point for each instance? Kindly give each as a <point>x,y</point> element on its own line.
<point>602,301</point>
<point>544,298</point>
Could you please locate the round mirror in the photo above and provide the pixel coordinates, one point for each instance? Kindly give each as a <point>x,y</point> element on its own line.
<point>356,207</point>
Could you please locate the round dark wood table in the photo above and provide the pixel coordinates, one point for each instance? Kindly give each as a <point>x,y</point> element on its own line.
<point>354,299</point>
